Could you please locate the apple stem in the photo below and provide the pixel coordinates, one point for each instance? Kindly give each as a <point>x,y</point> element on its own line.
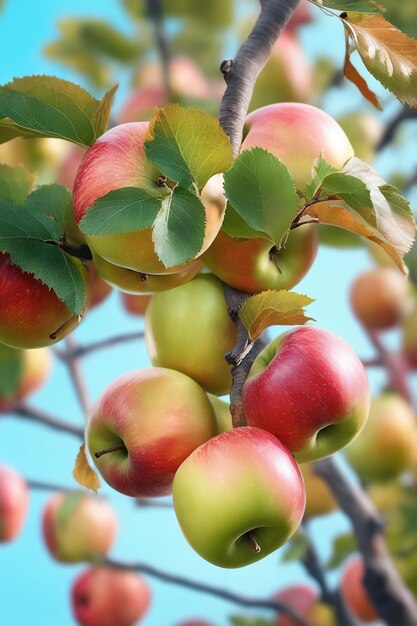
<point>255,545</point>
<point>120,446</point>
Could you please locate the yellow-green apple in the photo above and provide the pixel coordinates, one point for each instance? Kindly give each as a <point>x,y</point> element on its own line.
<point>116,160</point>
<point>386,447</point>
<point>31,315</point>
<point>388,497</point>
<point>36,153</point>
<point>154,418</point>
<point>254,265</point>
<point>239,497</point>
<point>319,499</point>
<point>14,501</point>
<point>135,305</point>
<point>222,413</point>
<point>187,80</point>
<point>36,367</point>
<point>102,596</point>
<point>78,527</point>
<point>306,602</point>
<point>409,338</point>
<point>141,105</point>
<point>354,593</point>
<point>297,134</point>
<point>364,131</point>
<point>189,329</point>
<point>133,282</point>
<point>309,389</point>
<point>380,297</point>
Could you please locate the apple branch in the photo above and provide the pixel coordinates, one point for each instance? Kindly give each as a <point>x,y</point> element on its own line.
<point>77,351</point>
<point>241,73</point>
<point>77,378</point>
<point>395,366</point>
<point>155,13</point>
<point>404,114</point>
<point>35,415</point>
<point>229,596</point>
<point>392,599</point>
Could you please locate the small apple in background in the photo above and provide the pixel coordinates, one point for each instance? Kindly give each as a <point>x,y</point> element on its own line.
<point>31,315</point>
<point>135,305</point>
<point>319,498</point>
<point>155,418</point>
<point>239,497</point>
<point>306,602</point>
<point>354,593</point>
<point>116,160</point>
<point>380,298</point>
<point>364,131</point>
<point>409,338</point>
<point>67,168</point>
<point>102,596</point>
<point>187,80</point>
<point>189,329</point>
<point>255,265</point>
<point>319,410</point>
<point>99,289</point>
<point>35,153</point>
<point>141,105</point>
<point>387,445</point>
<point>222,413</point>
<point>14,502</point>
<point>36,367</point>
<point>78,527</point>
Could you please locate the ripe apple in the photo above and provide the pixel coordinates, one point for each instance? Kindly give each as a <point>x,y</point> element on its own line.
<point>14,501</point>
<point>319,499</point>
<point>135,305</point>
<point>116,160</point>
<point>78,527</point>
<point>354,592</point>
<point>254,265</point>
<point>141,104</point>
<point>102,596</point>
<point>187,80</point>
<point>309,389</point>
<point>36,367</point>
<point>409,338</point>
<point>189,329</point>
<point>35,153</point>
<point>380,298</point>
<point>239,497</point>
<point>155,418</point>
<point>386,447</point>
<point>222,413</point>
<point>306,602</point>
<point>99,289</point>
<point>133,282</point>
<point>67,168</point>
<point>297,134</point>
<point>31,315</point>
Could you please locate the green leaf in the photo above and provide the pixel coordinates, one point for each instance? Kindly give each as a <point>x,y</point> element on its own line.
<point>350,189</point>
<point>296,548</point>
<point>122,211</point>
<point>361,6</point>
<point>187,145</point>
<point>178,232</point>
<point>11,368</point>
<point>263,193</point>
<point>15,183</point>
<point>247,620</point>
<point>236,227</point>
<point>343,546</point>
<point>49,204</point>
<point>321,169</point>
<point>30,243</point>
<point>45,106</point>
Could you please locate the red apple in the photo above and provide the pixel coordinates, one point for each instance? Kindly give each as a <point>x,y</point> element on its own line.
<point>187,80</point>
<point>36,367</point>
<point>102,596</point>
<point>156,417</point>
<point>31,315</point>
<point>306,602</point>
<point>309,389</point>
<point>141,105</point>
<point>354,592</point>
<point>135,305</point>
<point>239,497</point>
<point>99,288</point>
<point>78,527</point>
<point>14,501</point>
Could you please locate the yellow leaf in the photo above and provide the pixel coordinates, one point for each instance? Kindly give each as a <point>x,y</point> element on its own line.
<point>271,308</point>
<point>389,54</point>
<point>83,473</point>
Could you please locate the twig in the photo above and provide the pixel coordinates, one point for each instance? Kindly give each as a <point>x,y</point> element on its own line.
<point>35,415</point>
<point>39,485</point>
<point>404,114</point>
<point>79,351</point>
<point>150,503</point>
<point>76,375</point>
<point>395,365</point>
<point>155,13</point>
<point>218,592</point>
<point>375,362</point>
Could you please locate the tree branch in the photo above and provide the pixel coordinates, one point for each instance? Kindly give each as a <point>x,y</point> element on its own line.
<point>155,13</point>
<point>35,415</point>
<point>404,114</point>
<point>395,366</point>
<point>218,592</point>
<point>78,351</point>
<point>75,372</point>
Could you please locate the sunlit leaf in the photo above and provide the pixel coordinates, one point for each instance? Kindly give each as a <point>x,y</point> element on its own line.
<point>83,473</point>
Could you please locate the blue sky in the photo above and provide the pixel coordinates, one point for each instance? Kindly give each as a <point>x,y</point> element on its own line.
<point>33,588</point>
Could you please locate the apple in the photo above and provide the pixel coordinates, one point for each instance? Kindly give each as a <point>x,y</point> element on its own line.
<point>239,497</point>
<point>380,298</point>
<point>102,596</point>
<point>14,502</point>
<point>309,389</point>
<point>116,160</point>
<point>409,338</point>
<point>319,498</point>
<point>135,305</point>
<point>99,288</point>
<point>187,80</point>
<point>36,367</point>
<point>67,168</point>
<point>31,315</point>
<point>222,413</point>
<point>302,15</point>
<point>297,134</point>
<point>306,602</point>
<point>78,527</point>
<point>255,265</point>
<point>386,447</point>
<point>364,131</point>
<point>354,593</point>
<point>133,282</point>
<point>155,418</point>
<point>34,153</point>
<point>141,104</point>
<point>189,329</point>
